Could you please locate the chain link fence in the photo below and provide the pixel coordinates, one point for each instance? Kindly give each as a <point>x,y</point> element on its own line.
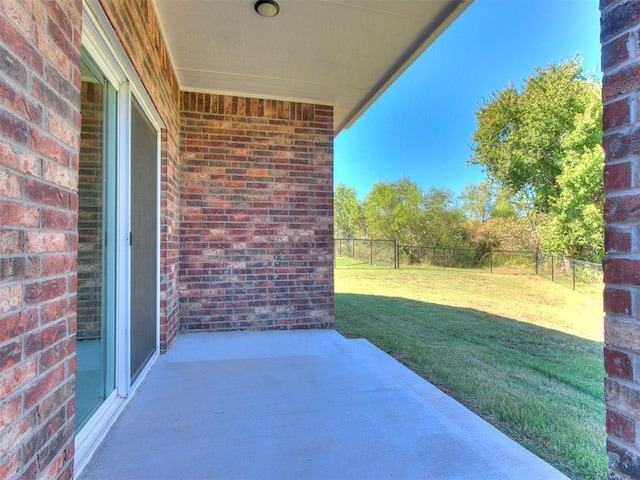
<point>563,270</point>
<point>569,271</point>
<point>373,252</point>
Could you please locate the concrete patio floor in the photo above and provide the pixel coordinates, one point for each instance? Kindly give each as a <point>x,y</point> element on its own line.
<point>299,405</point>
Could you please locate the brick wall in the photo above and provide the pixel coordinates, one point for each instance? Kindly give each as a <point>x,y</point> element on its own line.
<point>147,51</point>
<point>256,249</point>
<point>620,27</point>
<point>39,141</point>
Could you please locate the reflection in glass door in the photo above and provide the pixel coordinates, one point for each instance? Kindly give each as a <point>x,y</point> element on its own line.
<point>95,335</point>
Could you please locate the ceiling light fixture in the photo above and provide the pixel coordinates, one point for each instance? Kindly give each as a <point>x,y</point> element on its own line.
<point>267,8</point>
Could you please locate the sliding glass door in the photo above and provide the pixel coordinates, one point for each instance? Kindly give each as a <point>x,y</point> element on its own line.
<point>95,334</point>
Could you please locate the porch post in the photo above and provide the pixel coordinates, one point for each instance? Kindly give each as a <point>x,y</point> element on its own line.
<point>620,27</point>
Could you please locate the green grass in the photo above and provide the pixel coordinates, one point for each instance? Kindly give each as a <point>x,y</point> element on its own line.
<point>520,351</point>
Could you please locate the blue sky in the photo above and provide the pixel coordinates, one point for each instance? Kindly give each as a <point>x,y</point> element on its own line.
<point>422,125</point>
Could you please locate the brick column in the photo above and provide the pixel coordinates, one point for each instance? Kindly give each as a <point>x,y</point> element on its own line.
<point>620,25</point>
<point>39,142</point>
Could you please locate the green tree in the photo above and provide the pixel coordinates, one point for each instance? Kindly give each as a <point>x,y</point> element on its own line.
<point>541,144</point>
<point>347,213</point>
<point>520,136</point>
<point>393,211</point>
<point>502,205</point>
<point>444,224</point>
<point>477,201</point>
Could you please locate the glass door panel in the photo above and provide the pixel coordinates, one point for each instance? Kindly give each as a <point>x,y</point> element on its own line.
<point>95,345</point>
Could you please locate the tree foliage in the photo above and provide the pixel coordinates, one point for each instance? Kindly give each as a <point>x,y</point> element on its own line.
<point>522,134</point>
<point>541,144</point>
<point>393,210</point>
<point>540,147</point>
<point>477,201</point>
<point>347,213</point>
<point>444,223</point>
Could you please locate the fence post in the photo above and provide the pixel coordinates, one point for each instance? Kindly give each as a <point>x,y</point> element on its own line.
<point>353,248</point>
<point>396,253</point>
<point>573,273</point>
<point>552,271</point>
<point>537,262</point>
<point>490,261</point>
<point>371,252</point>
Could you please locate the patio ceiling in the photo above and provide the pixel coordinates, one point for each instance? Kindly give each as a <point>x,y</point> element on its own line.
<point>343,53</point>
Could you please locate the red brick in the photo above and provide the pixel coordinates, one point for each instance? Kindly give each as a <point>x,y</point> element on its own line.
<point>10,465</point>
<point>13,379</point>
<point>11,327</point>
<point>13,436</point>
<point>46,194</point>
<point>10,354</point>
<point>617,176</point>
<point>616,114</point>
<point>48,429</point>
<point>18,214</point>
<point>621,426</point>
<point>52,311</point>
<point>59,16</point>
<point>68,91</point>
<point>13,127</point>
<point>11,67</point>
<point>44,385</point>
<point>60,175</point>
<point>45,290</point>
<point>9,411</point>
<point>617,301</point>
<point>10,185</point>
<point>17,160</point>
<point>621,271</point>
<point>52,458</point>
<point>10,298</point>
<point>59,220</point>
<point>618,19</point>
<point>58,264</point>
<point>11,241</point>
<point>18,17</point>
<point>618,364</point>
<point>616,51</point>
<point>622,208</point>
<point>17,102</point>
<point>48,146</point>
<point>616,240</point>
<point>52,99</point>
<point>57,353</point>
<point>20,45</point>
<point>622,82</point>
<point>52,53</point>
<point>46,242</point>
<point>40,340</point>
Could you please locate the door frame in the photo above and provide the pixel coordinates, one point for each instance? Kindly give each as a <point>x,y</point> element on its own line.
<point>101,43</point>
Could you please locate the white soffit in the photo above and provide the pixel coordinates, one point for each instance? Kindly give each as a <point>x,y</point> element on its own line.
<point>343,53</point>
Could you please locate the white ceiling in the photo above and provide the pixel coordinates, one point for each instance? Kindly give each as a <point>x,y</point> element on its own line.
<point>343,53</point>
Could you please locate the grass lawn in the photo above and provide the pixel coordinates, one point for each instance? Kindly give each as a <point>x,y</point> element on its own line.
<point>518,350</point>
